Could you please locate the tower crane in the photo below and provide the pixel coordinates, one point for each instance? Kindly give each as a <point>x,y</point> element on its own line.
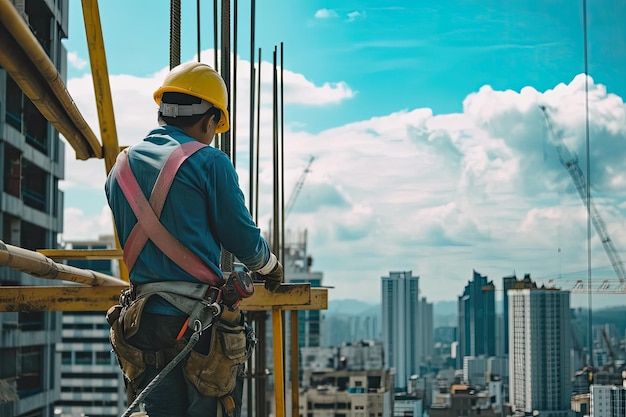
<point>298,187</point>
<point>570,161</point>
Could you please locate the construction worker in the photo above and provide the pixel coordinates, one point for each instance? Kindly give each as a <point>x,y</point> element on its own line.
<point>172,245</point>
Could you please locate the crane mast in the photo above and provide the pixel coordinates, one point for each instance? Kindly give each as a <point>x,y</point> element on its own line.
<point>570,161</point>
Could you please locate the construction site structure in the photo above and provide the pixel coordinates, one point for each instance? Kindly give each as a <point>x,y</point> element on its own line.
<point>569,160</point>
<point>36,108</point>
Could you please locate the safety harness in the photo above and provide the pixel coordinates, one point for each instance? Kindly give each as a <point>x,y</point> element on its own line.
<point>148,224</point>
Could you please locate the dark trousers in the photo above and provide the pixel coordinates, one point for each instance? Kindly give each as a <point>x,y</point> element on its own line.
<point>174,396</point>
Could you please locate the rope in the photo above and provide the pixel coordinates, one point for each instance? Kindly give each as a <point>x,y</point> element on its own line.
<point>174,33</point>
<point>157,379</point>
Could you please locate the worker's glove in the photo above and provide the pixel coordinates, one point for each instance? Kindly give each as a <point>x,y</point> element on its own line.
<point>274,278</point>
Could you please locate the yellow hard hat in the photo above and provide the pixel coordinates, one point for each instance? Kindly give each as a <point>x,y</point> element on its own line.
<point>198,80</point>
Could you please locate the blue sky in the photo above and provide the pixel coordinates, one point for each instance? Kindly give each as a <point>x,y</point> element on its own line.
<point>430,152</point>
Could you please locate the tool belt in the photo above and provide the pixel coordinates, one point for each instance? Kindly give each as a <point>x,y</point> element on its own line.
<point>214,373</point>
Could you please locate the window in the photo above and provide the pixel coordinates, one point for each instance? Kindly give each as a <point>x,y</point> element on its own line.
<point>34,186</point>
<point>30,378</point>
<point>14,104</point>
<point>12,170</point>
<point>103,358</point>
<point>83,358</point>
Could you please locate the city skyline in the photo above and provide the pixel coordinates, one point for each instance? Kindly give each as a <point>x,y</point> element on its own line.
<point>431,152</point>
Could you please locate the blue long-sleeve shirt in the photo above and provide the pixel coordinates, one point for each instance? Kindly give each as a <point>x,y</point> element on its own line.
<point>204,209</point>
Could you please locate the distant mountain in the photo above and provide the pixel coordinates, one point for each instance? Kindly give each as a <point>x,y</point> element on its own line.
<point>445,312</point>
<point>350,307</point>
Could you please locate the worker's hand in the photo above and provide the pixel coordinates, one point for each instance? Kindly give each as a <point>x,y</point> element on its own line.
<point>274,278</point>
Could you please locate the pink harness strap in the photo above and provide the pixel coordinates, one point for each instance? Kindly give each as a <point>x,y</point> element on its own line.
<point>148,224</point>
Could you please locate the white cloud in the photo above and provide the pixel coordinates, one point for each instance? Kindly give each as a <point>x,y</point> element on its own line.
<point>352,16</point>
<point>79,226</point>
<point>76,61</point>
<point>325,14</point>
<point>438,194</point>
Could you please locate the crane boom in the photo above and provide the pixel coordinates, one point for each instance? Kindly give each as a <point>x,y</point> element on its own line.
<point>570,161</point>
<point>298,187</point>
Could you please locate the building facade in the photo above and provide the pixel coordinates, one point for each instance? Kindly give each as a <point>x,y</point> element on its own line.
<point>477,319</point>
<point>608,400</point>
<point>91,381</point>
<point>407,324</point>
<point>31,213</point>
<point>539,355</point>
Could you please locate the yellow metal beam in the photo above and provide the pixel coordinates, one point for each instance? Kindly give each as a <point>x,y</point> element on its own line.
<point>84,298</point>
<point>27,63</point>
<point>81,254</point>
<point>279,370</point>
<point>101,85</point>
<point>104,101</point>
<point>67,298</point>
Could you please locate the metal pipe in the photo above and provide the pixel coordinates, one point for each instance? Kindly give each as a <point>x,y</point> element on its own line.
<point>40,266</point>
<point>28,64</point>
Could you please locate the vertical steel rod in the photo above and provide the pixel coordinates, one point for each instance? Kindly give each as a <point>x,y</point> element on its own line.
<point>295,370</point>
<point>215,37</point>
<point>233,122</point>
<point>258,138</point>
<point>174,33</point>
<point>198,27</point>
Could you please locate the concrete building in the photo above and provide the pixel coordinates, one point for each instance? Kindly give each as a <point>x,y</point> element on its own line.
<point>539,355</point>
<point>507,284</point>
<point>363,355</point>
<point>347,393</point>
<point>407,406</point>
<point>477,319</point>
<point>298,270</point>
<point>607,400</point>
<point>463,400</point>
<point>31,214</point>
<point>407,323</point>
<point>475,371</point>
<point>91,380</point>
<point>347,380</point>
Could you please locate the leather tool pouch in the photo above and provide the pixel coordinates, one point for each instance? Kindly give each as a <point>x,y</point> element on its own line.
<point>215,374</point>
<point>130,359</point>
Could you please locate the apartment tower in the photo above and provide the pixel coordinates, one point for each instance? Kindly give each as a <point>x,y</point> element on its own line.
<point>539,350</point>
<point>407,323</point>
<point>31,214</point>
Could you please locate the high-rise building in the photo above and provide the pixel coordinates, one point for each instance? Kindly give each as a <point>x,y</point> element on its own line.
<point>407,323</point>
<point>539,349</point>
<point>477,319</point>
<point>31,214</point>
<point>607,400</point>
<point>91,380</point>
<point>507,284</point>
